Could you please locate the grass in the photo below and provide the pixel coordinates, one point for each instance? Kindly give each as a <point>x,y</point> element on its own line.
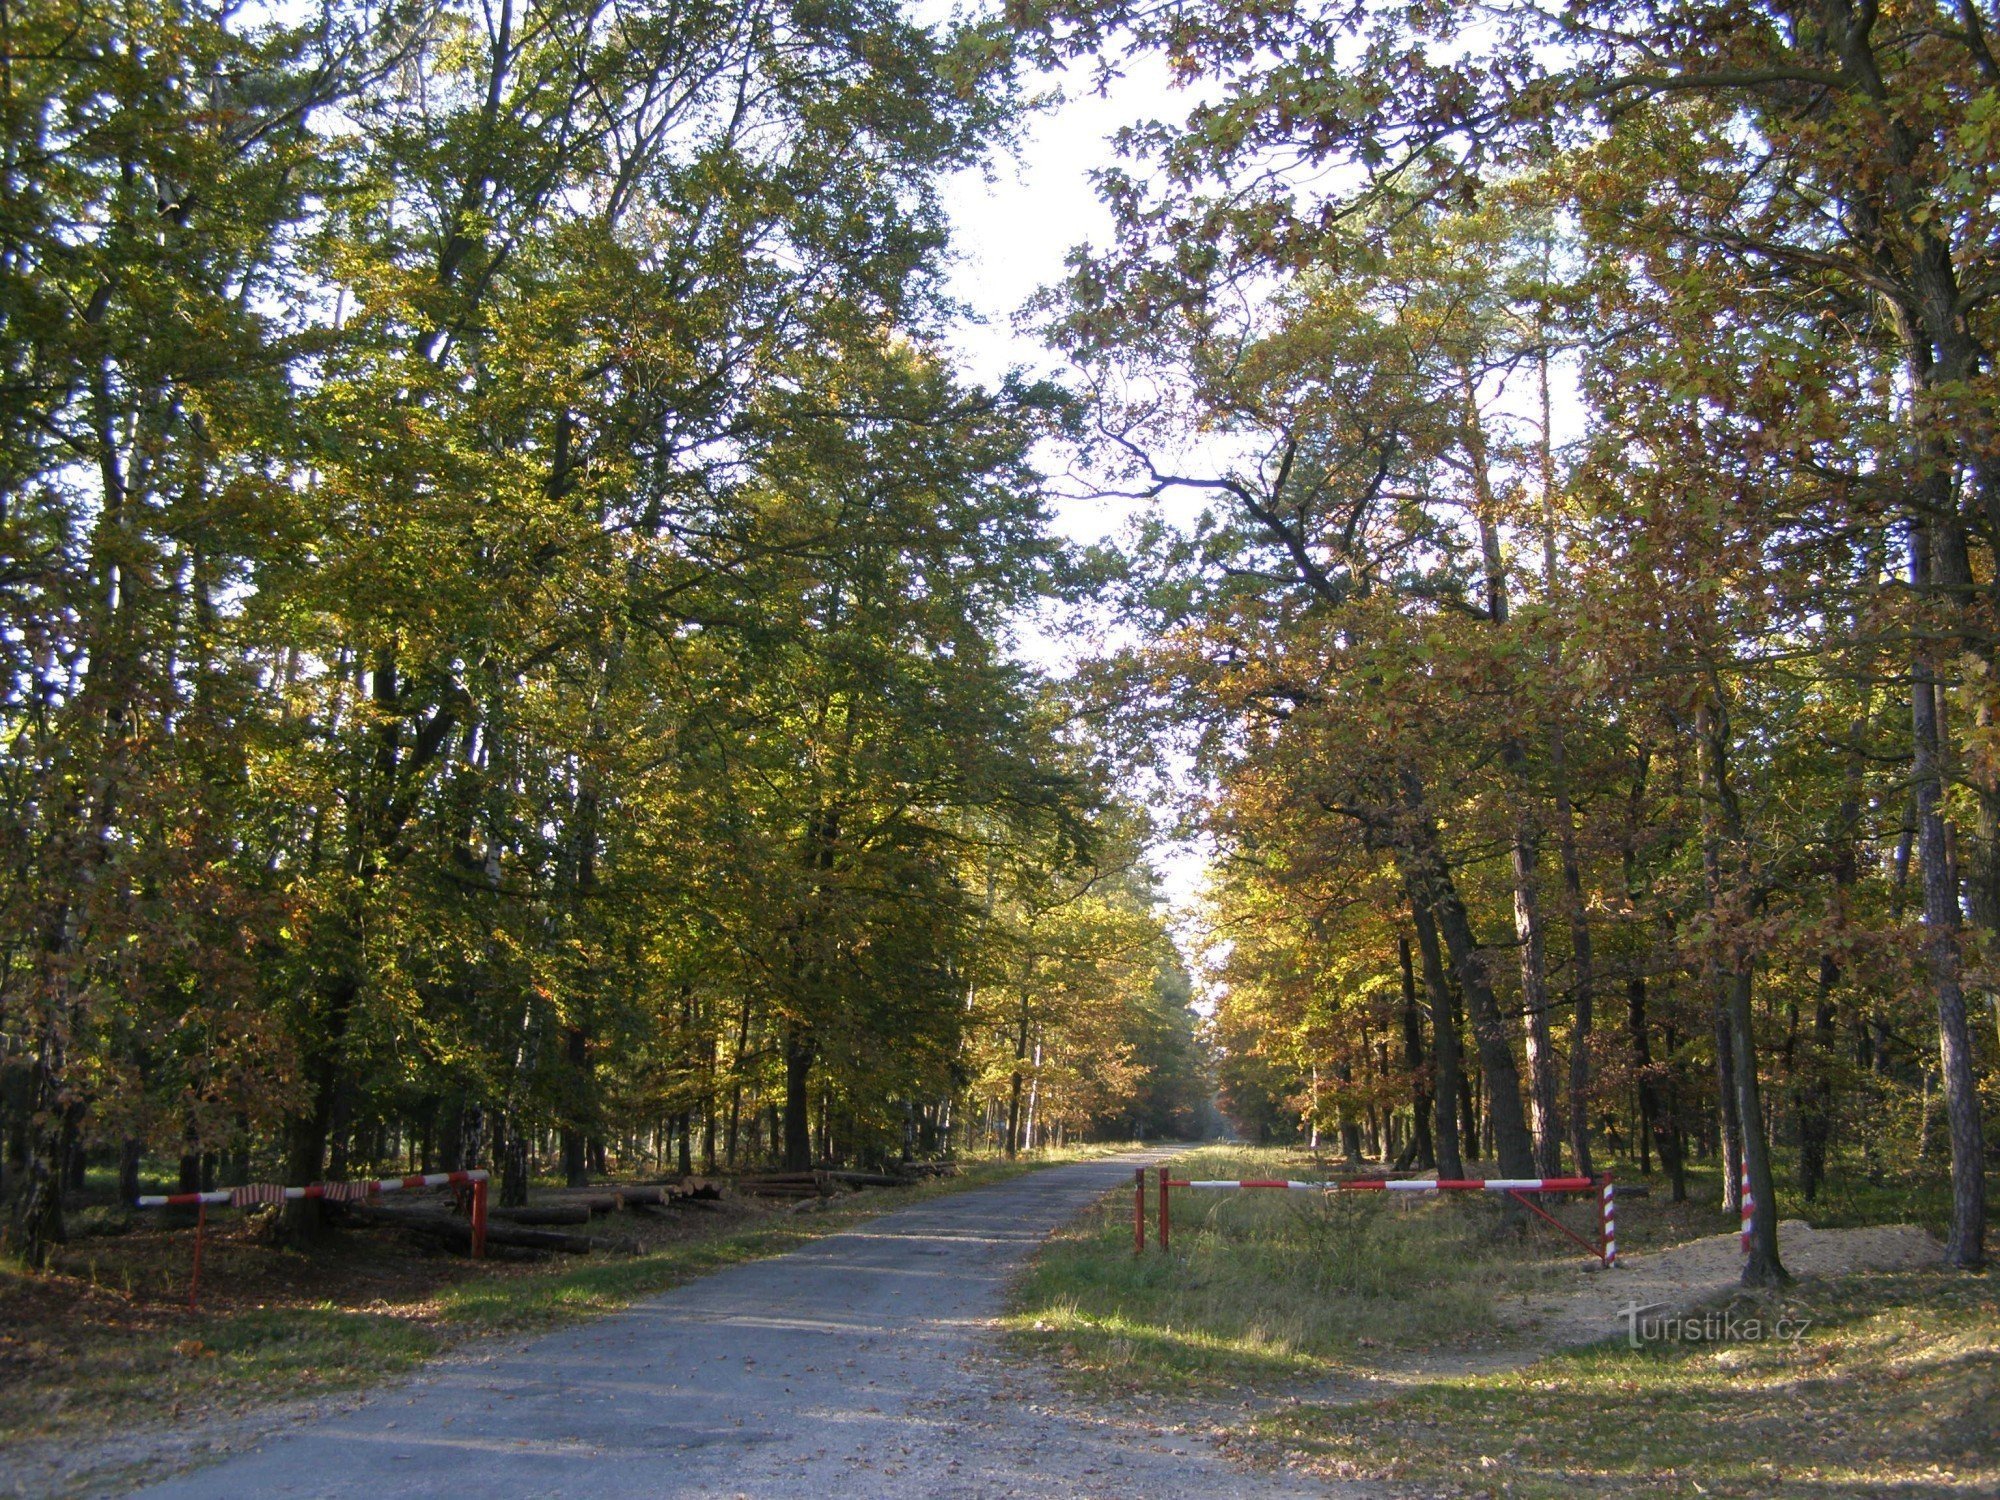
<point>1263,1287</point>
<point>105,1342</point>
<point>1895,1389</point>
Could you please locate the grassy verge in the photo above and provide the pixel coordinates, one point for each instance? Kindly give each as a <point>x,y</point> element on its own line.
<point>1263,1287</point>
<point>104,1342</point>
<point>1895,1389</point>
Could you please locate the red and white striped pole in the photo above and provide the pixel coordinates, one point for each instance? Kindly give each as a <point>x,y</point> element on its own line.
<point>1609,1197</point>
<point>1408,1184</point>
<point>1749,1208</point>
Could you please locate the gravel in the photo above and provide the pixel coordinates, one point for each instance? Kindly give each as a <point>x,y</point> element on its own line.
<point>863,1365</point>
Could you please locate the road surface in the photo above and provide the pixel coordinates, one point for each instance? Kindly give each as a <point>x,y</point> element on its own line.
<point>860,1366</point>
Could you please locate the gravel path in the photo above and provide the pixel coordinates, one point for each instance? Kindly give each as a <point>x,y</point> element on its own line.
<point>862,1365</point>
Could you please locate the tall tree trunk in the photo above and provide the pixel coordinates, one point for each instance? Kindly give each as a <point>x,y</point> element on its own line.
<point>736,1078</point>
<point>1732,896</point>
<point>1430,884</point>
<point>1350,1128</point>
<point>576,1162</point>
<point>1966,1247</point>
<point>1454,1112</point>
<point>1421,1088</point>
<point>1583,962</point>
<point>1014,1086</point>
<point>798,1102</point>
<point>1814,1100</point>
<point>1544,1116</point>
<point>1654,1116</point>
<point>1583,990</point>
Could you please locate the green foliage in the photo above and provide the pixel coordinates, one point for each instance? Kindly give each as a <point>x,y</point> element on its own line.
<point>506,607</point>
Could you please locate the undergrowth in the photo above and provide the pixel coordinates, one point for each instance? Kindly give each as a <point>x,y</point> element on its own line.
<point>1894,1389</point>
<point>1271,1285</point>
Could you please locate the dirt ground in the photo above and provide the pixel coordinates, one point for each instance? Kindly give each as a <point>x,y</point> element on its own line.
<point>1705,1271</point>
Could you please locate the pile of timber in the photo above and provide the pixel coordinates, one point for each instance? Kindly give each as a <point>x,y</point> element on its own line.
<point>455,1233</point>
<point>537,1226</point>
<point>785,1185</point>
<point>825,1182</point>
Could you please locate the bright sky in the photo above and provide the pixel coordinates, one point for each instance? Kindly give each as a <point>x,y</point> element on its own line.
<point>1014,226</point>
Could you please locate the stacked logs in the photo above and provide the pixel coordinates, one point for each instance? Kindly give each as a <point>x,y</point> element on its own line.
<point>538,1227</point>
<point>826,1182</point>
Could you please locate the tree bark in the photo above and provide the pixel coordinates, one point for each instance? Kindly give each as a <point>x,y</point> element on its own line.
<point>798,1104</point>
<point>1425,1154</point>
<point>1430,883</point>
<point>1543,1115</point>
<point>1724,817</point>
<point>1966,1247</point>
<point>1449,1081</point>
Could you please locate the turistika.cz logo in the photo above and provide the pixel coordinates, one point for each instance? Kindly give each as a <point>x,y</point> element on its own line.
<point>1654,1325</point>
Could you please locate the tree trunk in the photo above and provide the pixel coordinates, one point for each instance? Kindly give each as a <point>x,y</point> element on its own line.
<point>798,1104</point>
<point>1430,881</point>
<point>1543,1114</point>
<point>576,1052</point>
<point>1723,817</point>
<point>1449,1081</point>
<point>1966,1247</point>
<point>1014,1086</point>
<point>1425,1154</point>
<point>1583,990</point>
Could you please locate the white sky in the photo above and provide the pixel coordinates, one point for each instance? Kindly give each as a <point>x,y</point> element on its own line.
<point>1013,224</point>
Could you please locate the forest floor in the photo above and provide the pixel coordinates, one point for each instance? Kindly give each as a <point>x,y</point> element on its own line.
<point>1418,1348</point>
<point>104,1370</point>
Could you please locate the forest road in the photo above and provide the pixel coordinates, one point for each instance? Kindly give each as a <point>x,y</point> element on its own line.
<point>862,1365</point>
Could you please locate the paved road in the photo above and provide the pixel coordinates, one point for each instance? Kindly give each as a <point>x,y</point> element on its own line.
<point>859,1366</point>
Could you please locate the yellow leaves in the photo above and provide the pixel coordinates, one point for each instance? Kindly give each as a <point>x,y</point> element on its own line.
<point>1974,696</point>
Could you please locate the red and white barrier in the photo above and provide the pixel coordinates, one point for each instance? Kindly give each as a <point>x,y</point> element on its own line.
<point>339,1192</point>
<point>1609,1200</point>
<point>1606,1251</point>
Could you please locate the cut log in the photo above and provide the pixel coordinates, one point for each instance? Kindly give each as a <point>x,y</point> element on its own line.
<point>591,1200</point>
<point>868,1179</point>
<point>450,1230</point>
<point>559,1213</point>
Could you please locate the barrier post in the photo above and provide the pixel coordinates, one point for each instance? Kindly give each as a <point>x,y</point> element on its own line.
<point>1138,1210</point>
<point>479,1219</point>
<point>1164,1221</point>
<point>200,1225</point>
<point>1749,1209</point>
<point>1609,1197</point>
